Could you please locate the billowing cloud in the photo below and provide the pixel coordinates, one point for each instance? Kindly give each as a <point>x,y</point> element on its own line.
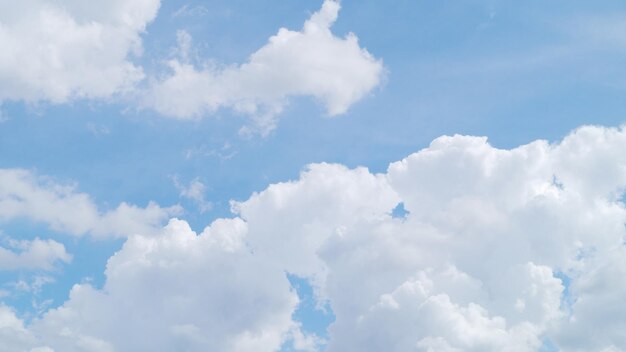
<point>61,50</point>
<point>500,250</point>
<point>312,62</point>
<point>24,194</point>
<point>178,291</point>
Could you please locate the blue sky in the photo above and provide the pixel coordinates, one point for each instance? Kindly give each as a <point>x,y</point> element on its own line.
<point>514,72</point>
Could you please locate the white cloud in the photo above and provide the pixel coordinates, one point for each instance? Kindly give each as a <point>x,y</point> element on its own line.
<point>14,336</point>
<point>24,194</point>
<point>475,266</point>
<point>311,62</point>
<point>61,50</point>
<point>35,254</point>
<point>175,291</point>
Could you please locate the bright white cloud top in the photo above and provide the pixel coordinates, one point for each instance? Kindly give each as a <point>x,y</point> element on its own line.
<point>312,62</point>
<point>492,241</point>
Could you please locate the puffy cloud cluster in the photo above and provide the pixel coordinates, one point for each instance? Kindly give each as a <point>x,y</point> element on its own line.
<point>500,250</point>
<point>58,51</point>
<point>61,50</point>
<point>178,291</point>
<point>311,62</point>
<point>24,194</point>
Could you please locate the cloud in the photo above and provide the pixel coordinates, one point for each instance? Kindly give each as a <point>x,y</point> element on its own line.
<point>478,262</point>
<point>195,192</point>
<point>191,11</point>
<point>62,51</point>
<point>499,250</point>
<point>312,62</point>
<point>14,336</point>
<point>35,254</point>
<point>26,195</point>
<point>59,51</point>
<point>177,290</point>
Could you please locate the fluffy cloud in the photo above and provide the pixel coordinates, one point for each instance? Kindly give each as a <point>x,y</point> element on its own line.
<point>60,50</point>
<point>35,254</point>
<point>311,62</point>
<point>177,291</point>
<point>477,263</point>
<point>26,195</point>
<point>500,250</point>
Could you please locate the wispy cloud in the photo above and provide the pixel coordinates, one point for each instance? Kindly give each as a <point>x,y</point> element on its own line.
<point>190,11</point>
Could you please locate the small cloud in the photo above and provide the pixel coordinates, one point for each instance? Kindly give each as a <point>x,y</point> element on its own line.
<point>194,192</point>
<point>225,152</point>
<point>33,286</point>
<point>97,130</point>
<point>33,255</point>
<point>190,11</point>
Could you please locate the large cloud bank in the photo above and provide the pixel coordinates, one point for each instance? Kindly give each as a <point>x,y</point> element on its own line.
<point>502,250</point>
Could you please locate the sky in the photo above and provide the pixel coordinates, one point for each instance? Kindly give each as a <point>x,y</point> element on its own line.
<point>312,175</point>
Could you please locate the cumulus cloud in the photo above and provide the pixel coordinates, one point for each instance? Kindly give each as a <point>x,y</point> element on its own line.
<point>500,250</point>
<point>61,50</point>
<point>24,194</point>
<point>477,263</point>
<point>312,62</point>
<point>35,254</point>
<point>176,291</point>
